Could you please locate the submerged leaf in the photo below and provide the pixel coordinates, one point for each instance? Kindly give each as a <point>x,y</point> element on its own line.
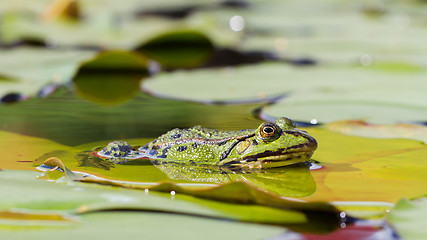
<point>179,49</point>
<point>111,77</point>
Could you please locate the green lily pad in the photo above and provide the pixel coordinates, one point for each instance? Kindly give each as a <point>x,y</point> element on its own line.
<point>111,77</point>
<point>133,225</point>
<point>78,198</point>
<point>99,30</point>
<point>141,117</point>
<point>326,110</point>
<point>116,61</point>
<point>22,157</point>
<point>311,86</point>
<point>116,26</point>
<point>360,128</point>
<point>367,169</point>
<point>291,181</point>
<point>218,85</point>
<point>407,217</point>
<point>289,29</point>
<point>33,68</point>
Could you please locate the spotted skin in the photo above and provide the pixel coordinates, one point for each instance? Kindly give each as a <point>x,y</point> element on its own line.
<point>271,145</point>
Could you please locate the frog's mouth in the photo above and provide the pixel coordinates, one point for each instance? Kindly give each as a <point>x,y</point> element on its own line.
<point>278,158</point>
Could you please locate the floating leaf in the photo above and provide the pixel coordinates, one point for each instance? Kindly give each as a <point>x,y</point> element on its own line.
<point>19,151</point>
<point>20,220</point>
<point>111,77</point>
<point>219,85</point>
<point>367,169</point>
<point>253,206</point>
<point>408,217</point>
<point>332,87</point>
<point>290,29</point>
<point>33,68</point>
<point>398,67</point>
<point>179,49</point>
<point>360,128</point>
<point>327,109</point>
<point>235,192</point>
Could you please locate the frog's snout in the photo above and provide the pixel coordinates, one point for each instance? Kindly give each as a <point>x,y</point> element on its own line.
<point>312,143</point>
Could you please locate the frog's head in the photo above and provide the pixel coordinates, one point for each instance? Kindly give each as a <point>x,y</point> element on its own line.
<point>276,144</point>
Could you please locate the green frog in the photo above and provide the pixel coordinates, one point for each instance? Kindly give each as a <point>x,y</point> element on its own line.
<point>270,145</point>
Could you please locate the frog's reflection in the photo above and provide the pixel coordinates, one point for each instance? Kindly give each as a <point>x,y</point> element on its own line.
<point>293,180</point>
<point>289,181</point>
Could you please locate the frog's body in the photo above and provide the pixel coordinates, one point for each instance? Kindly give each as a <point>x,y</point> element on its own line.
<point>271,145</point>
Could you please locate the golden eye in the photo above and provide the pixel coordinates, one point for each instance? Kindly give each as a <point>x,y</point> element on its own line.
<point>268,130</point>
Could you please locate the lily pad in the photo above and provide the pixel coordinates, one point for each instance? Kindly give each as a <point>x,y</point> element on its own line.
<point>291,181</point>
<point>22,157</point>
<point>367,169</point>
<point>360,128</point>
<point>111,77</point>
<point>33,68</point>
<point>408,217</point>
<point>219,85</point>
<point>134,224</point>
<point>81,198</point>
<point>312,85</point>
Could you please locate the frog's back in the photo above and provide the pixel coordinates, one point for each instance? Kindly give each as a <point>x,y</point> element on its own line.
<point>198,133</point>
<point>196,144</point>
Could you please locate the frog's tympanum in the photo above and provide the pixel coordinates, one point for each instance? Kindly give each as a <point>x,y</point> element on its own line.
<point>270,145</point>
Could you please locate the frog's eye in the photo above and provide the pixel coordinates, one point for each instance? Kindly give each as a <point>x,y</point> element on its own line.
<point>268,131</point>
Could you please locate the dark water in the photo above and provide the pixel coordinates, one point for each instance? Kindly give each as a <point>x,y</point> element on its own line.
<point>66,118</point>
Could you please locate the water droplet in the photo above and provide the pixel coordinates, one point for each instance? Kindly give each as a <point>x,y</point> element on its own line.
<point>365,60</point>
<point>237,23</point>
